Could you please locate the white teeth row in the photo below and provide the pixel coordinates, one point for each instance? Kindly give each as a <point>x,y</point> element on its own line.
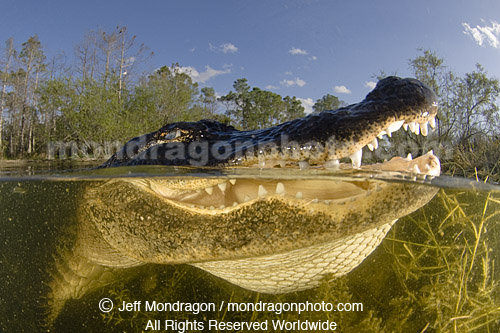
<point>420,128</point>
<point>261,192</point>
<point>413,126</point>
<point>222,187</point>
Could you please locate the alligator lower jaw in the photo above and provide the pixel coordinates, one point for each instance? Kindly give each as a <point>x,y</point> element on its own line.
<point>222,195</point>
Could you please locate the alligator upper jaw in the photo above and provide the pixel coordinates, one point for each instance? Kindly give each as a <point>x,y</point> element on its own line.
<point>222,195</point>
<point>418,126</point>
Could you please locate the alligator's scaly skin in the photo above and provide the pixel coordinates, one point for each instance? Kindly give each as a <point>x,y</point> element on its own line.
<point>267,235</point>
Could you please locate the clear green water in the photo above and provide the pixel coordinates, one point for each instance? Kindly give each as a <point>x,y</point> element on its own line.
<point>437,269</point>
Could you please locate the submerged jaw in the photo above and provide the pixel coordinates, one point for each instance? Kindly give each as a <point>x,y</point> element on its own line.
<point>223,195</point>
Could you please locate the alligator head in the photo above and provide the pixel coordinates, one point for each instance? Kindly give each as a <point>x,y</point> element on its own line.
<point>269,234</point>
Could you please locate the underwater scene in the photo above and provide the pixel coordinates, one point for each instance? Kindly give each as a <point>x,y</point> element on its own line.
<point>190,250</point>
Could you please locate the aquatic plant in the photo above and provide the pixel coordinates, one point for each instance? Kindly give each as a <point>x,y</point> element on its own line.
<point>444,260</point>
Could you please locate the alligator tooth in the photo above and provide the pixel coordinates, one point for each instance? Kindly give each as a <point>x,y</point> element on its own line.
<point>381,135</point>
<point>209,190</point>
<point>280,189</point>
<point>232,181</point>
<point>370,146</point>
<point>405,126</point>
<point>246,198</point>
<point>303,165</point>
<point>235,204</point>
<point>395,126</point>
<point>314,200</point>
<point>412,127</point>
<point>262,191</point>
<point>416,168</point>
<point>177,134</point>
<point>332,164</point>
<point>409,157</point>
<point>432,122</point>
<point>375,143</point>
<point>298,195</point>
<point>222,207</point>
<point>211,207</point>
<point>423,128</point>
<point>417,128</point>
<point>425,114</point>
<point>282,163</point>
<point>356,158</point>
<point>222,186</point>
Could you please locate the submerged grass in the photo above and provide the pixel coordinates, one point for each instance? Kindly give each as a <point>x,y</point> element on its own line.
<point>434,272</point>
<point>444,260</point>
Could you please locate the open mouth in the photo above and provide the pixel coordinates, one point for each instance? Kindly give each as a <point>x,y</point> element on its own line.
<point>222,195</point>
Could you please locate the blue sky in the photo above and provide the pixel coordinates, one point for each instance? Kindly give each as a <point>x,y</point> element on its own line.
<point>297,48</point>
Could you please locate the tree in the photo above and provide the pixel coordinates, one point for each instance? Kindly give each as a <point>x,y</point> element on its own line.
<point>209,99</point>
<point>9,55</point>
<point>327,102</point>
<point>256,108</point>
<point>429,69</point>
<point>165,96</point>
<point>475,106</point>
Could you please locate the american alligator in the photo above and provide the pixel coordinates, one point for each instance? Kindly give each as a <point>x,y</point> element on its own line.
<point>272,235</point>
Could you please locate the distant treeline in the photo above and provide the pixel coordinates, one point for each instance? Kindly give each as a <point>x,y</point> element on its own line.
<point>101,97</point>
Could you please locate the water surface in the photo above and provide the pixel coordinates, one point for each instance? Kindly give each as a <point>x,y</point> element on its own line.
<point>435,271</point>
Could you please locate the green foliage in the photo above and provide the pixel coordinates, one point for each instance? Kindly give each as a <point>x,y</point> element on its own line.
<point>327,102</point>
<point>256,108</point>
<point>165,96</point>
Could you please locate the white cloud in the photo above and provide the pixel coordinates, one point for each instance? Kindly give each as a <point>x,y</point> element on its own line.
<point>294,82</point>
<point>203,76</point>
<point>341,90</point>
<point>490,34</point>
<point>307,103</point>
<point>225,48</point>
<point>288,73</point>
<point>229,48</point>
<point>314,58</point>
<point>370,84</point>
<point>297,51</point>
<point>271,87</point>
